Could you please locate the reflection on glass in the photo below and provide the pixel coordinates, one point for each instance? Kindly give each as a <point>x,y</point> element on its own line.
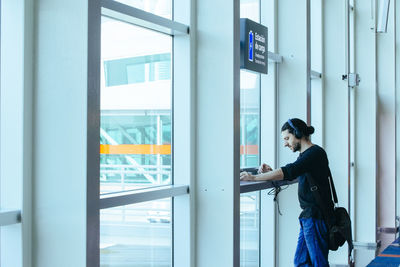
<point>137,235</point>
<point>135,130</point>
<point>249,119</point>
<point>249,157</point>
<point>249,150</point>
<point>158,7</point>
<point>249,229</point>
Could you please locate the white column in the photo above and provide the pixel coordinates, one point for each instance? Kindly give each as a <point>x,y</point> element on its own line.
<point>292,101</point>
<point>269,138</point>
<point>396,8</point>
<point>217,158</point>
<point>60,133</point>
<point>184,135</point>
<point>16,129</point>
<point>335,101</point>
<point>386,135</point>
<point>317,90</point>
<point>365,131</point>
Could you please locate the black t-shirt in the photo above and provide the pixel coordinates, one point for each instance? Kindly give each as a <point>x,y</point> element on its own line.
<point>313,161</point>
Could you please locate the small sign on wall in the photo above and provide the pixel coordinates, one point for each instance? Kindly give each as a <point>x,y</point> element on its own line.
<point>253,46</point>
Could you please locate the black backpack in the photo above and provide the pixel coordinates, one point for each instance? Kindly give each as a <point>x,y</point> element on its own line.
<point>337,219</point>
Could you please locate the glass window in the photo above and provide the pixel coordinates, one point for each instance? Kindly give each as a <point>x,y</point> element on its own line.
<point>249,119</point>
<point>161,8</point>
<point>135,132</point>
<point>249,157</point>
<point>250,9</point>
<point>249,151</point>
<point>137,235</point>
<point>249,229</point>
<point>316,65</point>
<point>139,69</point>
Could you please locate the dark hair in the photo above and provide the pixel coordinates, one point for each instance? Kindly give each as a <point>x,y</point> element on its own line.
<point>298,127</point>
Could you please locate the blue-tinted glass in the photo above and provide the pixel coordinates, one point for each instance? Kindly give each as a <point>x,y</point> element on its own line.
<point>135,73</point>
<point>137,69</point>
<point>250,142</point>
<point>137,235</point>
<point>249,119</point>
<point>249,150</point>
<point>249,229</point>
<point>135,125</point>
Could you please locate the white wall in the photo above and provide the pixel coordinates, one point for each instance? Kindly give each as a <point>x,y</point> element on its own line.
<point>184,135</point>
<point>396,7</point>
<point>386,150</point>
<point>217,146</point>
<point>60,102</point>
<point>269,137</point>
<point>292,96</point>
<point>317,92</point>
<point>365,145</point>
<point>16,129</point>
<point>335,104</point>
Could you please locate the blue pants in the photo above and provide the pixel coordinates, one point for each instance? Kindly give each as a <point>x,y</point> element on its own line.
<point>312,245</point>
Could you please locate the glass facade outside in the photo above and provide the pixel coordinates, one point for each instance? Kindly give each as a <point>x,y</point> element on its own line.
<point>249,151</point>
<point>135,142</point>
<point>162,8</point>
<point>250,142</point>
<point>249,229</point>
<point>135,132</point>
<point>137,235</point>
<point>249,119</point>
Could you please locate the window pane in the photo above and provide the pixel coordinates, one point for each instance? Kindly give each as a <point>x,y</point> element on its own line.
<point>249,119</point>
<point>249,150</point>
<point>249,229</point>
<point>137,235</point>
<point>250,9</point>
<point>250,142</point>
<point>136,88</point>
<point>158,7</point>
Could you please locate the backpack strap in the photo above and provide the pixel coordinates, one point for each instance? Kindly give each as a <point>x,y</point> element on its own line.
<point>326,211</point>
<point>332,186</point>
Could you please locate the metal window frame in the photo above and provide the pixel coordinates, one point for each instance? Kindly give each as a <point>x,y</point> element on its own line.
<point>315,74</point>
<point>138,17</point>
<point>93,137</point>
<point>183,138</point>
<point>142,18</point>
<point>273,57</point>
<point>142,195</point>
<point>9,217</point>
<point>132,15</point>
<point>95,201</point>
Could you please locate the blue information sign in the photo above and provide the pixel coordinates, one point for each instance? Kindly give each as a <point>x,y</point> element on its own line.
<point>251,52</point>
<point>253,46</point>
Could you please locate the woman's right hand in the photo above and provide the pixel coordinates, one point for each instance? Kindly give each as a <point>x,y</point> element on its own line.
<point>264,168</point>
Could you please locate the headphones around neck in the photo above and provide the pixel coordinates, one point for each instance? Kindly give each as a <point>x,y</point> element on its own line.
<point>297,133</point>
